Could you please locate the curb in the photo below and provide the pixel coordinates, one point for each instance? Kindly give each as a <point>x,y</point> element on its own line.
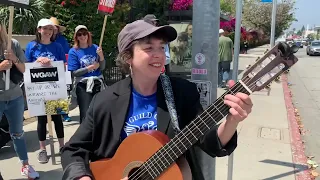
<point>298,156</point>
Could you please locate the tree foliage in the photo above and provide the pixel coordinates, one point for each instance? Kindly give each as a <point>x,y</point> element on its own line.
<point>71,13</point>
<point>257,15</point>
<point>228,7</point>
<point>25,20</point>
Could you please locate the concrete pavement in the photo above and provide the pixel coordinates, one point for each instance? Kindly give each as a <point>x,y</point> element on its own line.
<point>264,149</point>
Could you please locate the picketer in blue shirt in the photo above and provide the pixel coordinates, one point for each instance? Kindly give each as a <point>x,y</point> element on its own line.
<point>142,114</point>
<point>64,43</point>
<point>53,51</point>
<point>83,57</point>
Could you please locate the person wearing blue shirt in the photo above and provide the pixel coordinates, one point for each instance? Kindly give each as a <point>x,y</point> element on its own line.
<point>44,50</point>
<point>86,62</point>
<point>59,38</point>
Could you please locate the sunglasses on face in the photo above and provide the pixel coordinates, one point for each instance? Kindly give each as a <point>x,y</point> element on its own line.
<point>82,33</point>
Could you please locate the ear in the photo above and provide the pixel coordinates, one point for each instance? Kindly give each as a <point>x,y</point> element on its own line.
<point>39,29</point>
<point>129,61</point>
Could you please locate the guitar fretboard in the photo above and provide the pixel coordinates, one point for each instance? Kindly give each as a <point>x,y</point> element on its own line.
<point>190,135</point>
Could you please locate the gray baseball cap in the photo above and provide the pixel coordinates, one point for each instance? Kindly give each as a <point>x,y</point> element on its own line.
<point>140,29</point>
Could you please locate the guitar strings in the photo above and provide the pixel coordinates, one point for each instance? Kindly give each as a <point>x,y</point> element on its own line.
<point>138,174</point>
<point>145,170</point>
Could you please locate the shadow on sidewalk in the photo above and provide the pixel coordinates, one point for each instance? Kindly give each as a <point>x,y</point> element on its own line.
<point>48,175</point>
<point>31,138</point>
<point>298,168</point>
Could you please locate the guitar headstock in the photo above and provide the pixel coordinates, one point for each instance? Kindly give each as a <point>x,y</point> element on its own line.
<point>268,68</point>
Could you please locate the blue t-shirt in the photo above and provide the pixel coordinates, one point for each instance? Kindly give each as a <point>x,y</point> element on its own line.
<point>53,51</point>
<point>83,57</point>
<point>142,114</point>
<point>64,43</point>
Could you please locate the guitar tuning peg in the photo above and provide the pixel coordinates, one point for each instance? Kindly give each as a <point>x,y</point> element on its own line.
<point>248,66</point>
<point>287,71</point>
<point>257,58</point>
<point>266,51</point>
<point>268,87</point>
<point>277,80</point>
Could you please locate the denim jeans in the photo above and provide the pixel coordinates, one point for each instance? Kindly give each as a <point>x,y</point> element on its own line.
<point>223,72</point>
<point>13,110</point>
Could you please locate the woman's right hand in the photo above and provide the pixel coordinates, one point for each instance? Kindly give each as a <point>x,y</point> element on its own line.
<point>44,61</point>
<point>124,178</point>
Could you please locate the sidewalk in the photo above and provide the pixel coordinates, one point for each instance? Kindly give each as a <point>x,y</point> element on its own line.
<point>264,149</point>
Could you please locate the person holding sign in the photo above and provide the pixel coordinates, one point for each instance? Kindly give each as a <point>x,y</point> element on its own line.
<point>86,62</point>
<point>59,38</point>
<point>12,100</point>
<point>44,50</point>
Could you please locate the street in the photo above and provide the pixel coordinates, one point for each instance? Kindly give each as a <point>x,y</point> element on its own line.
<point>304,78</point>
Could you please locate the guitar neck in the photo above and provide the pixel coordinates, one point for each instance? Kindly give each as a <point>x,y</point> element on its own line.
<point>190,135</point>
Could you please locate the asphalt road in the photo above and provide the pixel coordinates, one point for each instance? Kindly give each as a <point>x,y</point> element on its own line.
<point>304,78</point>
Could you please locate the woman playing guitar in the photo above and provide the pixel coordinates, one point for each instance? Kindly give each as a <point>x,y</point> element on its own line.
<point>137,104</point>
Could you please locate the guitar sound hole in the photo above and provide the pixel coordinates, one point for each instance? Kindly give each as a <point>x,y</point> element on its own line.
<point>139,174</point>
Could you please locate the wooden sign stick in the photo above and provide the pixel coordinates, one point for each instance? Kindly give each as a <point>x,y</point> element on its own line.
<point>103,29</point>
<point>11,8</point>
<point>53,154</point>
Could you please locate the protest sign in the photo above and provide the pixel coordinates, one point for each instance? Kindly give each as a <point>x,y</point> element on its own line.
<point>43,84</point>
<point>105,7</point>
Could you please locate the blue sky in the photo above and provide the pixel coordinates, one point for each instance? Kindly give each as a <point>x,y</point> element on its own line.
<point>307,12</point>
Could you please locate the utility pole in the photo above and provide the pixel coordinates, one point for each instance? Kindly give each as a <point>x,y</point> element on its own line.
<point>205,44</point>
<point>237,40</point>
<point>235,68</point>
<point>273,23</point>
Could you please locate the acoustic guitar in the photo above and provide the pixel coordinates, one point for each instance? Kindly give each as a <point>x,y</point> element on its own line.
<point>161,158</point>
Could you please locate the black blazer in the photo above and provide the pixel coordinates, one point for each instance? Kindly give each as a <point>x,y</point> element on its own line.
<point>99,134</point>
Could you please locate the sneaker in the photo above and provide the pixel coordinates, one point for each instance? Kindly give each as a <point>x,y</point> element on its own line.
<point>66,118</point>
<point>29,172</point>
<point>43,157</point>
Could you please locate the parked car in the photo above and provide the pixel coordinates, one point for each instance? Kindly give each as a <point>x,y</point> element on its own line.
<point>299,43</point>
<point>313,48</point>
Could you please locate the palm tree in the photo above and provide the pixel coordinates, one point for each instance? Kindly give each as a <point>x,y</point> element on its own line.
<point>25,20</point>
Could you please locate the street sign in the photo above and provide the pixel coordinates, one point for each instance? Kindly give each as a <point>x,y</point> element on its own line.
<point>266,1</point>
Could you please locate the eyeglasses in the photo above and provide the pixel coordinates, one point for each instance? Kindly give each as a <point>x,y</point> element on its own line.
<point>82,33</point>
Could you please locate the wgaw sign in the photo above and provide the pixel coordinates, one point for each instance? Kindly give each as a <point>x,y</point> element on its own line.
<point>44,74</point>
<point>44,83</point>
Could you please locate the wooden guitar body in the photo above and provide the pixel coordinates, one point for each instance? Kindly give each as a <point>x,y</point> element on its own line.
<point>135,150</point>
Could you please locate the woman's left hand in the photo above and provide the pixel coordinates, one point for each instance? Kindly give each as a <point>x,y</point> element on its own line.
<point>9,55</point>
<point>240,106</point>
<point>100,52</point>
